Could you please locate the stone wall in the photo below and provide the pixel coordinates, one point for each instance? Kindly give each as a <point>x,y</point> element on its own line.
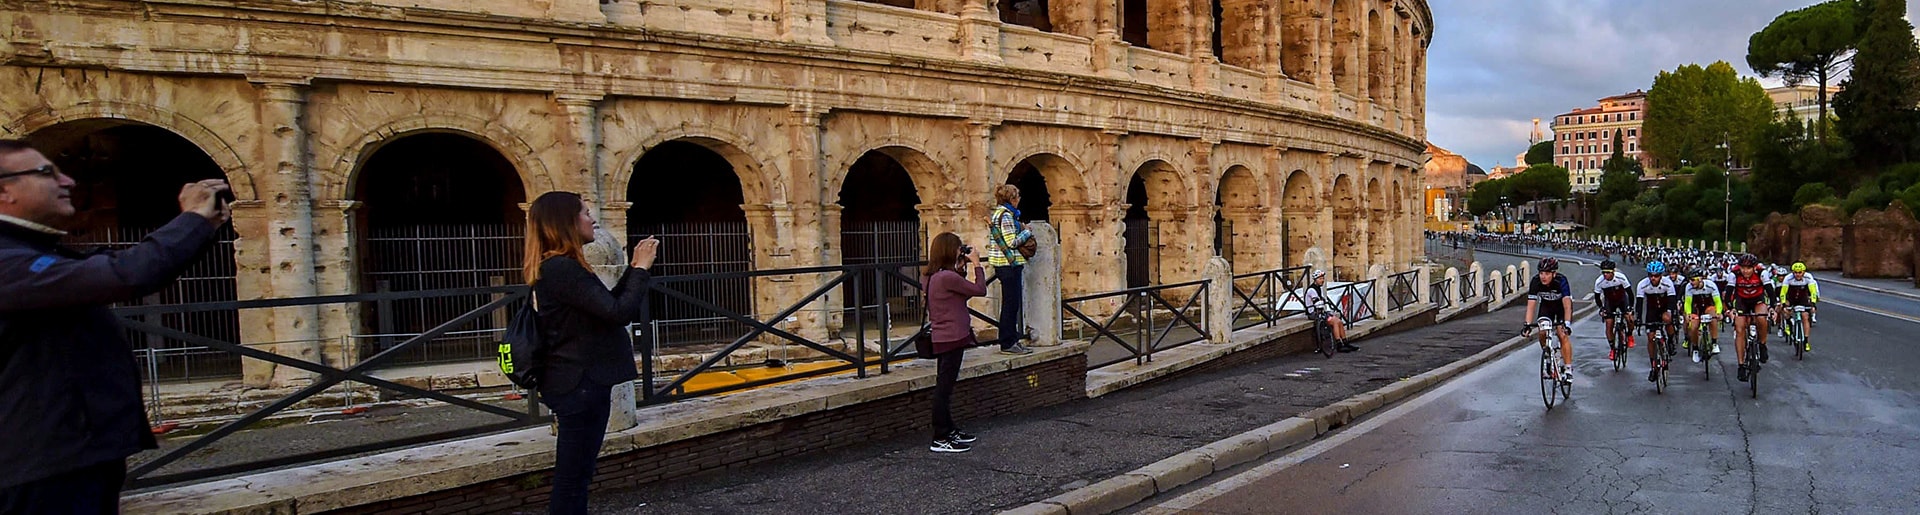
<point>1880,243</point>
<point>1815,236</point>
<point>1001,393</point>
<point>1870,243</point>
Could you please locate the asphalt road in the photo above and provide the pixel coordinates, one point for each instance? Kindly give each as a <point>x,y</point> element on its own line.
<point>1835,433</point>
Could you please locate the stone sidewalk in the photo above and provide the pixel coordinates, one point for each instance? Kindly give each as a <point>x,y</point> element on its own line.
<point>1038,454</point>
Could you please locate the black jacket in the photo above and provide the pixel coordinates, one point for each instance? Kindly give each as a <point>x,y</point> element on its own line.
<point>586,325</point>
<point>69,389</point>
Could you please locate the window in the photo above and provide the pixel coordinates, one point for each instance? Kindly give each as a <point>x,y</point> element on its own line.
<point>1633,133</point>
<point>1606,134</point>
<point>1563,149</point>
<point>1633,116</point>
<point>1633,147</point>
<point>1606,149</point>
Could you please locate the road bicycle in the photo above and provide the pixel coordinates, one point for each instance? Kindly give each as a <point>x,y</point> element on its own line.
<point>1659,342</point>
<point>1553,383</point>
<point>1703,343</point>
<point>1323,334</point>
<point>1796,328</point>
<point>1620,340</point>
<point>1755,350</point>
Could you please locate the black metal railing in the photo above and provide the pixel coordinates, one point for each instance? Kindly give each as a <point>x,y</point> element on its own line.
<point>1468,280</point>
<point>488,302</point>
<point>1262,298</point>
<point>1354,300</point>
<point>847,348</point>
<point>1137,313</point>
<point>1400,290</point>
<point>1443,293</point>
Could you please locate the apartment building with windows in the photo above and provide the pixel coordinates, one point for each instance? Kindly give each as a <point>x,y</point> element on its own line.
<point>1583,138</point>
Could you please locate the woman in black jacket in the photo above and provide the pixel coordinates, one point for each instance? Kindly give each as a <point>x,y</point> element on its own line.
<point>585,330</point>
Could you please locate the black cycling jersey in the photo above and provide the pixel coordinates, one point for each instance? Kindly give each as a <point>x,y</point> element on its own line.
<point>1549,295</point>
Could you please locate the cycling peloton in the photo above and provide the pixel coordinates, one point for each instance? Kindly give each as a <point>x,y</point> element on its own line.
<point>1550,296</point>
<point>1615,296</point>
<point>1800,289</point>
<point>1701,297</point>
<point>1655,294</point>
<point>1749,307</point>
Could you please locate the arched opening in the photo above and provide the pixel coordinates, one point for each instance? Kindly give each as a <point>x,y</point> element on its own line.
<point>439,210</point>
<point>1347,258</point>
<point>879,224</point>
<point>1219,45</point>
<point>1026,13</point>
<point>1133,22</point>
<point>1379,225</point>
<point>1297,49</point>
<point>1379,61</point>
<point>1035,196</point>
<point>1236,218</point>
<point>1299,214</point>
<point>1151,192</point>
<point>689,196</point>
<point>128,179</point>
<point>1344,35</point>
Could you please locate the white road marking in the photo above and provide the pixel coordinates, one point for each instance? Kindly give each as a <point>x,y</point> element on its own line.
<point>1857,307</point>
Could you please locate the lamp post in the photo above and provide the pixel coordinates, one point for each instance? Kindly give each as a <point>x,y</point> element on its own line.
<point>1726,212</point>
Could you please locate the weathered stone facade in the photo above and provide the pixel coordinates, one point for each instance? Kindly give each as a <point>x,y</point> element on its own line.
<point>1305,133</point>
<point>1870,243</point>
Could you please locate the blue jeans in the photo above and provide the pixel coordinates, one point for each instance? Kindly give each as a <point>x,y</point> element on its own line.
<point>1012,295</point>
<point>582,414</point>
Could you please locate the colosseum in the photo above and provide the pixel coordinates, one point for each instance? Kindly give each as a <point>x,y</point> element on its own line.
<point>390,145</point>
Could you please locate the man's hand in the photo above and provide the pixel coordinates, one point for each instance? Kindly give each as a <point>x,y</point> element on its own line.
<point>203,198</point>
<point>644,253</point>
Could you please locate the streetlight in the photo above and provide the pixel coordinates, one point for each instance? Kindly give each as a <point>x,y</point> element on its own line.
<point>1726,212</point>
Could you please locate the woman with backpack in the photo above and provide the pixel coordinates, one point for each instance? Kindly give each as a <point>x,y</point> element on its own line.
<point>947,294</point>
<point>583,327</point>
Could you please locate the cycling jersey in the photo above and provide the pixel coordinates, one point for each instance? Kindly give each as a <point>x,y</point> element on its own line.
<point>1612,293</point>
<point>1800,291</point>
<point>1549,295</point>
<point>1655,299</point>
<point>1699,297</point>
<point>1748,292</point>
<point>1316,301</point>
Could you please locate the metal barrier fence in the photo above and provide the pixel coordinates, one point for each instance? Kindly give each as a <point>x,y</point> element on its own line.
<point>1400,290</point>
<point>1443,293</point>
<point>1468,281</point>
<point>208,279</point>
<point>859,327</point>
<point>1137,313</point>
<point>1355,300</point>
<point>1266,301</point>
<point>488,300</point>
<point>434,257</point>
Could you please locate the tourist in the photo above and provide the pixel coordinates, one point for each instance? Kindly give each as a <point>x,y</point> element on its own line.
<point>70,411</point>
<point>1003,253</point>
<point>947,294</point>
<point>585,336</point>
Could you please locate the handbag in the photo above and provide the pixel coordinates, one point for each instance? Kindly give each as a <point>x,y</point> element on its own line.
<point>1026,250</point>
<point>923,340</point>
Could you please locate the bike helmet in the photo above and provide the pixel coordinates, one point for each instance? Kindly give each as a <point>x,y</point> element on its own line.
<point>1799,267</point>
<point>1549,265</point>
<point>1748,261</point>
<point>1606,265</point>
<point>1656,268</point>
<point>1317,274</point>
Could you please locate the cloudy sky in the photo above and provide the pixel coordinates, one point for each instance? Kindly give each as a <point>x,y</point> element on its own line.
<point>1495,65</point>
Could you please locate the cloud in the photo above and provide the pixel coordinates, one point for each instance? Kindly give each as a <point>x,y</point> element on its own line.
<point>1494,65</point>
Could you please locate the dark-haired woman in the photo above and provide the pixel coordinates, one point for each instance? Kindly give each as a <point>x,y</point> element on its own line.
<point>947,295</point>
<point>585,330</point>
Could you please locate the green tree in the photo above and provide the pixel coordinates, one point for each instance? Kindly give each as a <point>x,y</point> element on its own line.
<point>1814,193</point>
<point>1619,162</point>
<point>1693,109</point>
<point>1540,182</point>
<point>1486,196</point>
<point>1877,108</point>
<point>1788,158</point>
<point>1811,43</point>
<point>1540,153</point>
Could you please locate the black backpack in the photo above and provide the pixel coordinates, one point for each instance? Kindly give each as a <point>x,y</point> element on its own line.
<point>521,347</point>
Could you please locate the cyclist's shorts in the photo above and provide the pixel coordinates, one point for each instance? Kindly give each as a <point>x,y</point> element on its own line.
<point>1612,313</point>
<point>1799,301</point>
<point>1748,306</point>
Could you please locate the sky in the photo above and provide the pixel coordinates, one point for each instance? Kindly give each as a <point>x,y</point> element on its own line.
<point>1495,65</point>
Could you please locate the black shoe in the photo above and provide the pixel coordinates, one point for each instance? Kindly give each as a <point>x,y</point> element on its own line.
<point>948,446</point>
<point>1763,354</point>
<point>961,436</point>
<point>1743,373</point>
<point>1653,376</point>
<point>1347,347</point>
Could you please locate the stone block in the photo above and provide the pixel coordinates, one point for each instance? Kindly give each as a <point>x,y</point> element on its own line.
<point>1039,508</point>
<point>1236,450</point>
<point>1290,432</point>
<point>1879,243</point>
<point>1178,470</point>
<point>1108,496</point>
<point>459,381</point>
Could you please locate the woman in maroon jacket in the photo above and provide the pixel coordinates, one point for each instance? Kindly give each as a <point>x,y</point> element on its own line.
<point>947,295</point>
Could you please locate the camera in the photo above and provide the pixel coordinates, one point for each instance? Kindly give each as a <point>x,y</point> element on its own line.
<point>966,250</point>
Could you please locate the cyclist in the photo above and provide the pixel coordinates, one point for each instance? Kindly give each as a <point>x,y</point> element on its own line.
<point>1800,289</point>
<point>1319,303</point>
<point>1701,297</point>
<point>1722,277</point>
<point>1613,293</point>
<point>1550,296</point>
<point>1655,295</point>
<point>1749,306</point>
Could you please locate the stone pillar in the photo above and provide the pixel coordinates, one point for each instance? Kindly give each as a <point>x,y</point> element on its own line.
<point>288,261</point>
<point>1254,246</point>
<point>1377,295</point>
<point>582,150</point>
<point>1094,248</point>
<point>1478,274</point>
<point>1219,277</point>
<point>1424,289</point>
<point>1042,281</point>
<point>1075,17</point>
<point>805,22</point>
<point>1403,76</point>
<point>336,272</point>
<point>979,32</point>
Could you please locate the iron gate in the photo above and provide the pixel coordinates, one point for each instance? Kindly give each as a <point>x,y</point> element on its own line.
<point>437,257</point>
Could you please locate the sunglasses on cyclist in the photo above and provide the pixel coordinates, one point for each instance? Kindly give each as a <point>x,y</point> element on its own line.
<point>46,170</point>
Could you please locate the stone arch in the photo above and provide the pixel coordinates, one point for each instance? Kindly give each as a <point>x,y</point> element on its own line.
<point>193,131</point>
<point>1348,259</point>
<point>1062,170</point>
<point>1379,58</point>
<point>1239,201</point>
<point>1300,212</point>
<point>748,167</point>
<point>340,180</point>
<point>928,174</point>
<point>1170,187</point>
<point>1380,245</point>
<point>1343,36</point>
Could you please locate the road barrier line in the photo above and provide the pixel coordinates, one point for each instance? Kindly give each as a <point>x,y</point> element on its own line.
<point>1857,307</point>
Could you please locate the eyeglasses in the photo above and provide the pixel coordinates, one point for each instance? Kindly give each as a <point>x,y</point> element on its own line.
<point>46,170</point>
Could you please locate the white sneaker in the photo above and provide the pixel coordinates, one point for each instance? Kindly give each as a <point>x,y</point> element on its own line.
<point>1566,376</point>
<point>1696,356</point>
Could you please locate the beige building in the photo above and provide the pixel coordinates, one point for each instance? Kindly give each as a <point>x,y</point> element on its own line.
<point>1583,138</point>
<point>1446,178</point>
<point>389,145</point>
<point>1802,101</point>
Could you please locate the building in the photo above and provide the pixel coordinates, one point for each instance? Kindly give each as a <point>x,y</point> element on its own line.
<point>389,145</point>
<point>1447,178</point>
<point>1802,101</point>
<point>1583,138</point>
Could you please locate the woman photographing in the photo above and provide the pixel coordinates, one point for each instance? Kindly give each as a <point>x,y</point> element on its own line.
<point>947,294</point>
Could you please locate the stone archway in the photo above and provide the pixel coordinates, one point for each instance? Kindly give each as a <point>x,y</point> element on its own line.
<point>1380,244</point>
<point>876,221</point>
<point>1349,259</point>
<point>1159,225</point>
<point>1344,35</point>
<point>1300,213</point>
<point>1239,234</point>
<point>689,196</point>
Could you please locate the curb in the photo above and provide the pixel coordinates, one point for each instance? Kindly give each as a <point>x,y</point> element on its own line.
<point>1874,289</point>
<point>1123,491</point>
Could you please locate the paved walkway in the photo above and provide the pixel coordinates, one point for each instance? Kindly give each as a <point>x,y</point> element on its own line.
<point>1034,455</point>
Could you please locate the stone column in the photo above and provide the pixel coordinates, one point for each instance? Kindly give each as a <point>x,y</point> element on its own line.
<point>336,272</point>
<point>1425,287</point>
<point>1403,77</point>
<point>287,199</point>
<point>1042,281</point>
<point>1075,17</point>
<point>582,149</point>
<point>1091,240</point>
<point>1363,65</point>
<point>1219,317</point>
<point>1377,295</point>
<point>979,32</point>
<point>1205,67</point>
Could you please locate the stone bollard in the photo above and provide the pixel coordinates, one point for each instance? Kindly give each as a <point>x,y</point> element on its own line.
<point>1425,286</point>
<point>1478,275</point>
<point>1219,276</point>
<point>1377,295</point>
<point>1042,280</point>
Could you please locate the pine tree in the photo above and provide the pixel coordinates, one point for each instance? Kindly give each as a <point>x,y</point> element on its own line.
<point>1878,109</point>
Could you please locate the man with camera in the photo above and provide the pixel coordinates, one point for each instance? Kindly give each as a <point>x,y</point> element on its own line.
<point>70,411</point>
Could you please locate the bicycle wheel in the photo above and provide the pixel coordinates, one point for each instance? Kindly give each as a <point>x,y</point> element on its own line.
<point>1324,336</point>
<point>1706,358</point>
<point>1799,337</point>
<point>1619,348</point>
<point>1549,378</point>
<point>1753,369</point>
<point>1660,386</point>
